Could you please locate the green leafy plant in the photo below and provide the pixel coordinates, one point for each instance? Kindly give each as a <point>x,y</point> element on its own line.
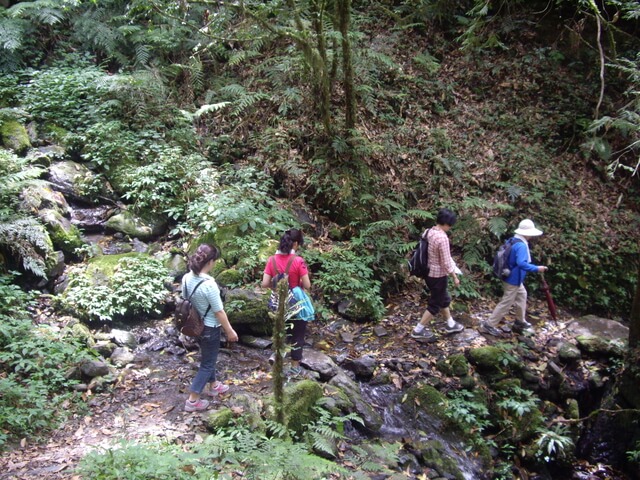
<point>554,444</point>
<point>136,288</point>
<point>345,275</point>
<point>34,363</point>
<point>471,415</point>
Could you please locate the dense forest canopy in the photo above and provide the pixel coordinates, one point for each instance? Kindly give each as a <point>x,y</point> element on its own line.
<point>354,120</point>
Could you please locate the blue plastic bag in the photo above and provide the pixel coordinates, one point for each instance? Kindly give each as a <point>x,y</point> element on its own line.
<point>306,311</point>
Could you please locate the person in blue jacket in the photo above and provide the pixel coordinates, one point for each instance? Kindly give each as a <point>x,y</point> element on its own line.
<point>514,291</point>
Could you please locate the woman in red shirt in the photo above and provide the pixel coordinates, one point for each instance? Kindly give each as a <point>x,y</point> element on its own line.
<point>298,277</point>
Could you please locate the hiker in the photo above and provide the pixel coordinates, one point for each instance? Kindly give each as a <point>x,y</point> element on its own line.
<point>514,291</point>
<point>441,266</point>
<point>298,277</point>
<point>206,299</point>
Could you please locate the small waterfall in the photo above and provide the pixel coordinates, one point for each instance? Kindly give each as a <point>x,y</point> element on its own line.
<point>424,427</point>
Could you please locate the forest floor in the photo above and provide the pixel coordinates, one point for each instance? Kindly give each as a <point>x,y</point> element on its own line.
<point>148,398</point>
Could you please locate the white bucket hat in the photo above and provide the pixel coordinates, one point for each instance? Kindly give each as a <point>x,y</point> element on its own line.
<point>527,229</point>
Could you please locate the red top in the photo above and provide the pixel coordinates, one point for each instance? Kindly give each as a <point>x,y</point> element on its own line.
<point>297,270</point>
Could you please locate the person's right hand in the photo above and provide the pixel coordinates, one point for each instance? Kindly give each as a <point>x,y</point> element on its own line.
<point>231,335</point>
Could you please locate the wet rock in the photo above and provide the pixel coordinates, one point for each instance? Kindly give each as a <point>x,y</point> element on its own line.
<point>363,367</point>
<point>379,331</point>
<point>371,418</point>
<point>347,337</point>
<point>599,346</point>
<point>91,220</point>
<point>319,362</point>
<point>256,342</point>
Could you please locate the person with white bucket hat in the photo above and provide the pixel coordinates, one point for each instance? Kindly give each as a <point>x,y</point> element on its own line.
<point>514,291</point>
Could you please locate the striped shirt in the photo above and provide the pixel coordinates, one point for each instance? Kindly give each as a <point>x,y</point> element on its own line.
<point>208,294</point>
<point>440,262</point>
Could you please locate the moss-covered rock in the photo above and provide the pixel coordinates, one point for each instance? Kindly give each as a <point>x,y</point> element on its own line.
<point>433,454</point>
<point>64,235</point>
<point>456,365</point>
<point>142,227</point>
<point>425,398</point>
<point>248,309</point>
<point>299,401</point>
<point>229,277</point>
<point>14,136</point>
<point>599,346</point>
<point>219,419</point>
<point>82,332</point>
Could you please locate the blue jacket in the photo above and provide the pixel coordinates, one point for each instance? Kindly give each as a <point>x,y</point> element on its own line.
<point>519,264</point>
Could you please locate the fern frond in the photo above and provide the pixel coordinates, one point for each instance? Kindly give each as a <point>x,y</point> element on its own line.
<point>209,108</point>
<point>10,34</point>
<point>497,226</point>
<point>28,241</point>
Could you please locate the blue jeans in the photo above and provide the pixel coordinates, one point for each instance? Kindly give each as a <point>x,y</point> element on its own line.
<point>209,348</point>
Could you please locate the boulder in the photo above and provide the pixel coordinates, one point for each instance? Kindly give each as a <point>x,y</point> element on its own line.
<point>14,136</point>
<point>77,182</point>
<point>250,311</point>
<point>319,362</point>
<point>122,356</point>
<point>64,235</point>
<point>141,227</point>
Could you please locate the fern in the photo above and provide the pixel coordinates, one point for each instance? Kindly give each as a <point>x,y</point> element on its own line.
<point>497,226</point>
<point>47,12</point>
<point>28,241</point>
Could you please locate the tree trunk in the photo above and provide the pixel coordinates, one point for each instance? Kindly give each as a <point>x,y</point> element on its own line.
<point>344,19</point>
<point>634,320</point>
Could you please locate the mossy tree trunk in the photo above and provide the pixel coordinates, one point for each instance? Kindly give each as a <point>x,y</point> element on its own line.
<point>344,22</point>
<point>634,321</point>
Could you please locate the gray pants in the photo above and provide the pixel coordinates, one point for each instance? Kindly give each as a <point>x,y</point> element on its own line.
<point>513,295</point>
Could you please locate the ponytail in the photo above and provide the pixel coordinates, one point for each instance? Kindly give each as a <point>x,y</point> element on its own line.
<point>289,238</point>
<point>203,255</point>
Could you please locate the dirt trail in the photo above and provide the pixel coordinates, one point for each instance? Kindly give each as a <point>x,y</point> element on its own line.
<point>148,398</point>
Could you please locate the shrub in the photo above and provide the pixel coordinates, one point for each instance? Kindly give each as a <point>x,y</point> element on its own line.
<point>135,288</point>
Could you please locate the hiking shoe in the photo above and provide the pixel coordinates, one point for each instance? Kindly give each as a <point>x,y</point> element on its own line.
<point>218,389</point>
<point>294,371</point>
<point>196,406</point>
<point>424,336</point>
<point>457,327</point>
<point>486,328</point>
<point>522,326</point>
<point>272,358</point>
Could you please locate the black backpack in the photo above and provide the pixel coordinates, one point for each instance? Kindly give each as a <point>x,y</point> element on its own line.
<point>419,261</point>
<point>187,319</point>
<point>501,268</point>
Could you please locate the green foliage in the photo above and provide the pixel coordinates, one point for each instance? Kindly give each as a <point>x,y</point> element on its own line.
<point>234,197</point>
<point>237,450</point>
<point>467,411</point>
<point>621,128</point>
<point>136,288</point>
<point>324,432</point>
<point>165,181</point>
<point>343,273</point>
<point>28,242</point>
<point>554,444</point>
<point>64,96</point>
<point>634,455</point>
<point>33,367</point>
